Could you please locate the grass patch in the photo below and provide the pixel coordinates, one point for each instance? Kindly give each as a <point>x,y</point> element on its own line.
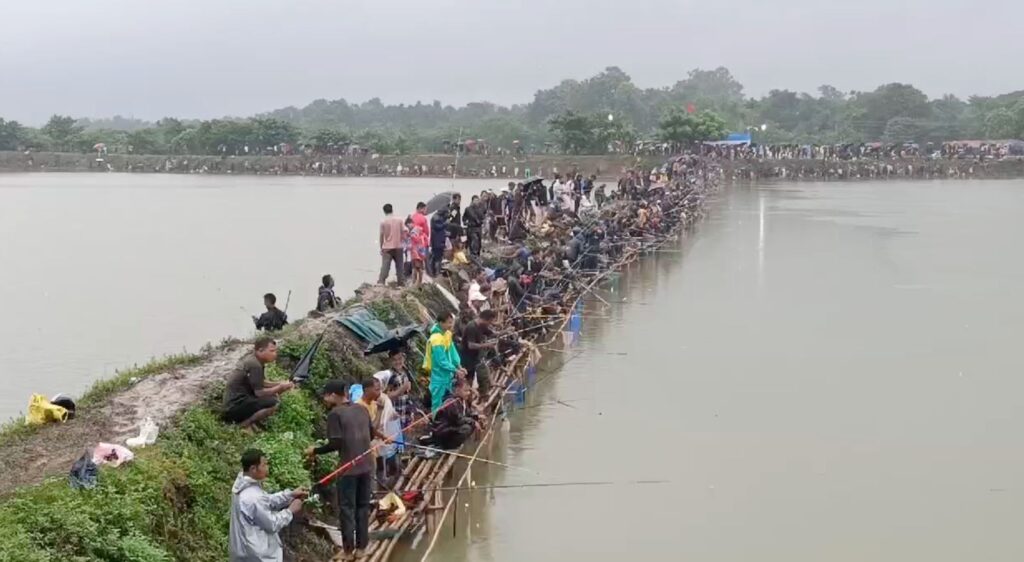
<point>172,502</point>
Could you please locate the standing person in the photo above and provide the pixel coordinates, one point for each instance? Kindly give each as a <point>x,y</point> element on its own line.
<point>477,340</point>
<point>555,188</point>
<point>419,248</point>
<point>383,417</point>
<point>600,196</point>
<point>496,209</point>
<point>588,186</point>
<point>349,431</point>
<point>455,217</point>
<point>256,516</point>
<point>249,398</point>
<point>419,218</point>
<point>274,318</point>
<point>441,359</point>
<point>473,219</point>
<point>438,238</point>
<point>326,300</point>
<point>391,229</point>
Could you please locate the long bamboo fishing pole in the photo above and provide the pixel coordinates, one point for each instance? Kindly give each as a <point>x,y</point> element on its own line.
<point>462,480</point>
<point>462,456</point>
<point>549,485</point>
<point>345,467</point>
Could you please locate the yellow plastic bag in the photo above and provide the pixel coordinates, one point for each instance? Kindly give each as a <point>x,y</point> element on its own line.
<point>41,411</point>
<point>391,501</point>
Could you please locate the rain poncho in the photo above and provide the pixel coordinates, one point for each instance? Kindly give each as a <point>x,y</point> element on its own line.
<point>441,360</point>
<point>256,518</point>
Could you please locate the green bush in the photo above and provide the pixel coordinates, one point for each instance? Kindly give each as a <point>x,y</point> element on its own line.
<point>172,502</point>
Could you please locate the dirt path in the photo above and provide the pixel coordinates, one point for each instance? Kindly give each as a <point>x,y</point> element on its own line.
<point>52,449</point>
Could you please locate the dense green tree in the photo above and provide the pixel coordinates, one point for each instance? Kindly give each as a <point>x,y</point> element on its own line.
<point>572,114</point>
<point>324,139</point>
<point>903,129</point>
<point>681,127</point>
<point>572,131</point>
<point>11,135</point>
<point>62,129</point>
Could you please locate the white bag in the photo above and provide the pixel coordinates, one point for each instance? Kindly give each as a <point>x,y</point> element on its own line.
<point>147,434</point>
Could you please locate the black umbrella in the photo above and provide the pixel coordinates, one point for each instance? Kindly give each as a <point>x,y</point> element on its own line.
<point>301,372</point>
<point>396,339</point>
<point>533,179</point>
<point>439,201</point>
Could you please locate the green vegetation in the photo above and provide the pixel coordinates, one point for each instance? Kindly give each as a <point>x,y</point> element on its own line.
<point>172,501</point>
<point>572,116</point>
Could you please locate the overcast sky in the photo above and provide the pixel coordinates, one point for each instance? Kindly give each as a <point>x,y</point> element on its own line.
<point>208,58</point>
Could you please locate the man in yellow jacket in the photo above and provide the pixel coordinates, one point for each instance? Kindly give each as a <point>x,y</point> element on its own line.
<point>441,360</point>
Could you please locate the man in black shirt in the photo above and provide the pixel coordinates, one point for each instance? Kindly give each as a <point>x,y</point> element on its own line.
<point>456,422</point>
<point>349,431</point>
<point>477,340</point>
<point>473,219</point>
<point>455,217</point>
<point>273,319</point>
<point>249,398</point>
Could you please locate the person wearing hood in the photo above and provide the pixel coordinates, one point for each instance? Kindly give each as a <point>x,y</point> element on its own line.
<point>442,360</point>
<point>326,300</point>
<point>256,516</point>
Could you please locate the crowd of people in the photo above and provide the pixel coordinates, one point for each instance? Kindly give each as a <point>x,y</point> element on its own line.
<point>976,150</point>
<point>512,258</point>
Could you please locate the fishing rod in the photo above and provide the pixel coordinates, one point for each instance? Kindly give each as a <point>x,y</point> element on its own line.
<point>547,485</point>
<point>462,456</point>
<point>455,168</point>
<point>345,467</point>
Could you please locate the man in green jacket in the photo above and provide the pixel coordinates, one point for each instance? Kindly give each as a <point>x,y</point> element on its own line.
<point>442,360</point>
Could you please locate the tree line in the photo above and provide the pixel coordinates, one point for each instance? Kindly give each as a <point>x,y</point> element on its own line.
<point>605,112</point>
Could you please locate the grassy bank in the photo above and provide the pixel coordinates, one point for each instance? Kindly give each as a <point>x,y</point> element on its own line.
<point>172,501</point>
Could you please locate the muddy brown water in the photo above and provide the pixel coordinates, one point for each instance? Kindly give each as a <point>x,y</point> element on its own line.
<point>821,372</point>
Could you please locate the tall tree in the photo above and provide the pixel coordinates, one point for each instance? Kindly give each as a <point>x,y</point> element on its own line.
<point>11,134</point>
<point>681,127</point>
<point>573,131</point>
<point>61,129</point>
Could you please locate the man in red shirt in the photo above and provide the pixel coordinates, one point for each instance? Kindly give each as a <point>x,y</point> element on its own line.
<point>420,220</point>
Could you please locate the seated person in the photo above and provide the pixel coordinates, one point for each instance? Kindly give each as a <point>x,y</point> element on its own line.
<point>249,398</point>
<point>455,421</point>
<point>274,318</point>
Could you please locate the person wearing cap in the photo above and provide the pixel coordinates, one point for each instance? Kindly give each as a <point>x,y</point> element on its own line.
<point>349,431</point>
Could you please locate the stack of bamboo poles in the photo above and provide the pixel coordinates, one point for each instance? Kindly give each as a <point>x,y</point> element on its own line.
<point>427,474</point>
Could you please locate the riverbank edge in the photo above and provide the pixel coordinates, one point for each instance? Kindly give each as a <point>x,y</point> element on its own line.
<point>507,167</point>
<point>171,502</point>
